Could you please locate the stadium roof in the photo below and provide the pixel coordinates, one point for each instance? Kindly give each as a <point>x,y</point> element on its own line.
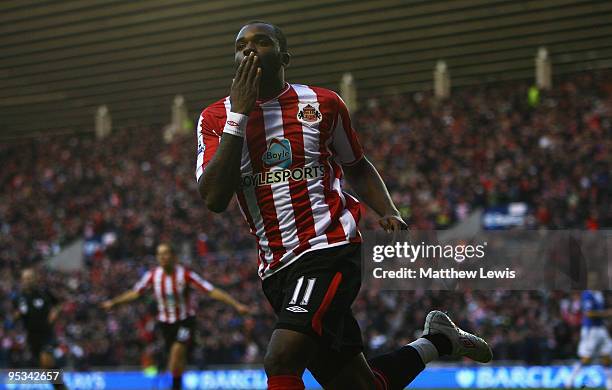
<point>62,59</point>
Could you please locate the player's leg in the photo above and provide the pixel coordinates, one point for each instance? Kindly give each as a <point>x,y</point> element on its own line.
<point>44,351</point>
<point>176,363</point>
<point>576,369</point>
<point>347,368</point>
<point>286,358</point>
<point>395,370</point>
<point>586,350</point>
<point>378,373</point>
<point>310,299</point>
<point>606,357</point>
<point>181,339</point>
<point>46,360</point>
<point>335,371</point>
<point>606,362</point>
<point>344,367</point>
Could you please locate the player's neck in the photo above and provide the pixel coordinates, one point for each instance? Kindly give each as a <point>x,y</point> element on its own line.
<point>168,270</point>
<point>271,88</point>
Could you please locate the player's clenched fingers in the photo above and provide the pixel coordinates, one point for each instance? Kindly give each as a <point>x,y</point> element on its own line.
<point>384,223</point>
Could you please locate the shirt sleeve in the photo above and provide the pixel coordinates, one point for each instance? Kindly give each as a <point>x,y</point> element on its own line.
<point>145,282</point>
<point>348,149</point>
<point>208,141</point>
<point>197,281</point>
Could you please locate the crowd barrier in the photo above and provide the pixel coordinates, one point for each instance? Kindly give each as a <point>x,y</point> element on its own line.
<point>442,377</point>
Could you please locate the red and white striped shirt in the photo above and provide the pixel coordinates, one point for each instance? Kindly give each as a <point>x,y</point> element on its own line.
<point>291,180</point>
<point>172,292</point>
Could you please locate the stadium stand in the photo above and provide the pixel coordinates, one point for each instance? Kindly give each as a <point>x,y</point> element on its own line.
<point>486,145</point>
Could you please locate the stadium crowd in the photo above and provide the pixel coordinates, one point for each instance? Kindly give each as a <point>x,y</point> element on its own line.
<point>485,146</point>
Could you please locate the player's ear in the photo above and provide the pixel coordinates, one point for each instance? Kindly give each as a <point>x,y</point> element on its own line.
<point>285,59</point>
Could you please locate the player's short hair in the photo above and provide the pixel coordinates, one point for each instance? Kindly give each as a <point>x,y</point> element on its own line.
<point>280,36</point>
<point>28,270</point>
<point>168,245</point>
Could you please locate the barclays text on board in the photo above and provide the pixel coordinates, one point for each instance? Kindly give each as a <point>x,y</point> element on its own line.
<point>468,377</point>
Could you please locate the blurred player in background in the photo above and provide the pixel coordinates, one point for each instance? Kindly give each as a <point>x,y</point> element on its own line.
<point>595,341</point>
<point>38,309</point>
<point>172,284</point>
<point>279,147</point>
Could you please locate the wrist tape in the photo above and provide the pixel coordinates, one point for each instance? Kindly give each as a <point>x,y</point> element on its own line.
<point>236,124</point>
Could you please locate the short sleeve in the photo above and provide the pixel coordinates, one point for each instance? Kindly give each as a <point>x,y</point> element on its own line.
<point>348,149</point>
<point>208,141</point>
<point>145,282</point>
<point>197,281</point>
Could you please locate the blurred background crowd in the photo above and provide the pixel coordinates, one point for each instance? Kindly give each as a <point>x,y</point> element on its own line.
<point>485,146</point>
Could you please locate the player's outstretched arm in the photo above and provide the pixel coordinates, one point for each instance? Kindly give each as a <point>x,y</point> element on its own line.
<point>220,295</point>
<point>126,297</point>
<point>221,177</point>
<point>369,186</point>
<point>599,313</point>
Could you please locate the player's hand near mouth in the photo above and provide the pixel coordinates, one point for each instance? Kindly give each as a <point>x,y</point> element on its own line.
<point>221,177</point>
<point>245,86</point>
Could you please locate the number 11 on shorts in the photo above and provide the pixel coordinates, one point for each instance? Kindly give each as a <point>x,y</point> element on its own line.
<point>307,293</point>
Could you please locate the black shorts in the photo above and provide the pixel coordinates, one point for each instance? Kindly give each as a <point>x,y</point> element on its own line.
<point>181,331</point>
<point>40,341</point>
<point>314,296</point>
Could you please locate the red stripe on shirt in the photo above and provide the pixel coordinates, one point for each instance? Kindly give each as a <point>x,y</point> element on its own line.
<point>300,200</point>
<point>334,232</point>
<point>256,140</point>
<point>177,304</point>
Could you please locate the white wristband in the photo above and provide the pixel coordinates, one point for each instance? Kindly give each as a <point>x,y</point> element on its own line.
<point>236,124</point>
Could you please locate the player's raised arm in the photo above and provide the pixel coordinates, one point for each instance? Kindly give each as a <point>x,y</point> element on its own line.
<point>145,282</point>
<point>218,181</point>
<point>361,174</point>
<point>126,297</point>
<point>215,292</point>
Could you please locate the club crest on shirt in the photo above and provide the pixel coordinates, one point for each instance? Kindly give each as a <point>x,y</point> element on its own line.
<point>309,113</point>
<point>278,155</point>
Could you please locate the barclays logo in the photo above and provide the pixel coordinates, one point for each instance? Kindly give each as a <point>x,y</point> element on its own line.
<point>278,155</point>
<point>465,378</point>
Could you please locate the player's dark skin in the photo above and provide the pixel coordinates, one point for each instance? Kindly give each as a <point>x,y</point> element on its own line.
<point>260,74</point>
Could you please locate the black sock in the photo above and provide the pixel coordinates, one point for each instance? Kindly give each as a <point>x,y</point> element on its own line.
<point>441,342</point>
<point>177,381</point>
<point>398,368</point>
